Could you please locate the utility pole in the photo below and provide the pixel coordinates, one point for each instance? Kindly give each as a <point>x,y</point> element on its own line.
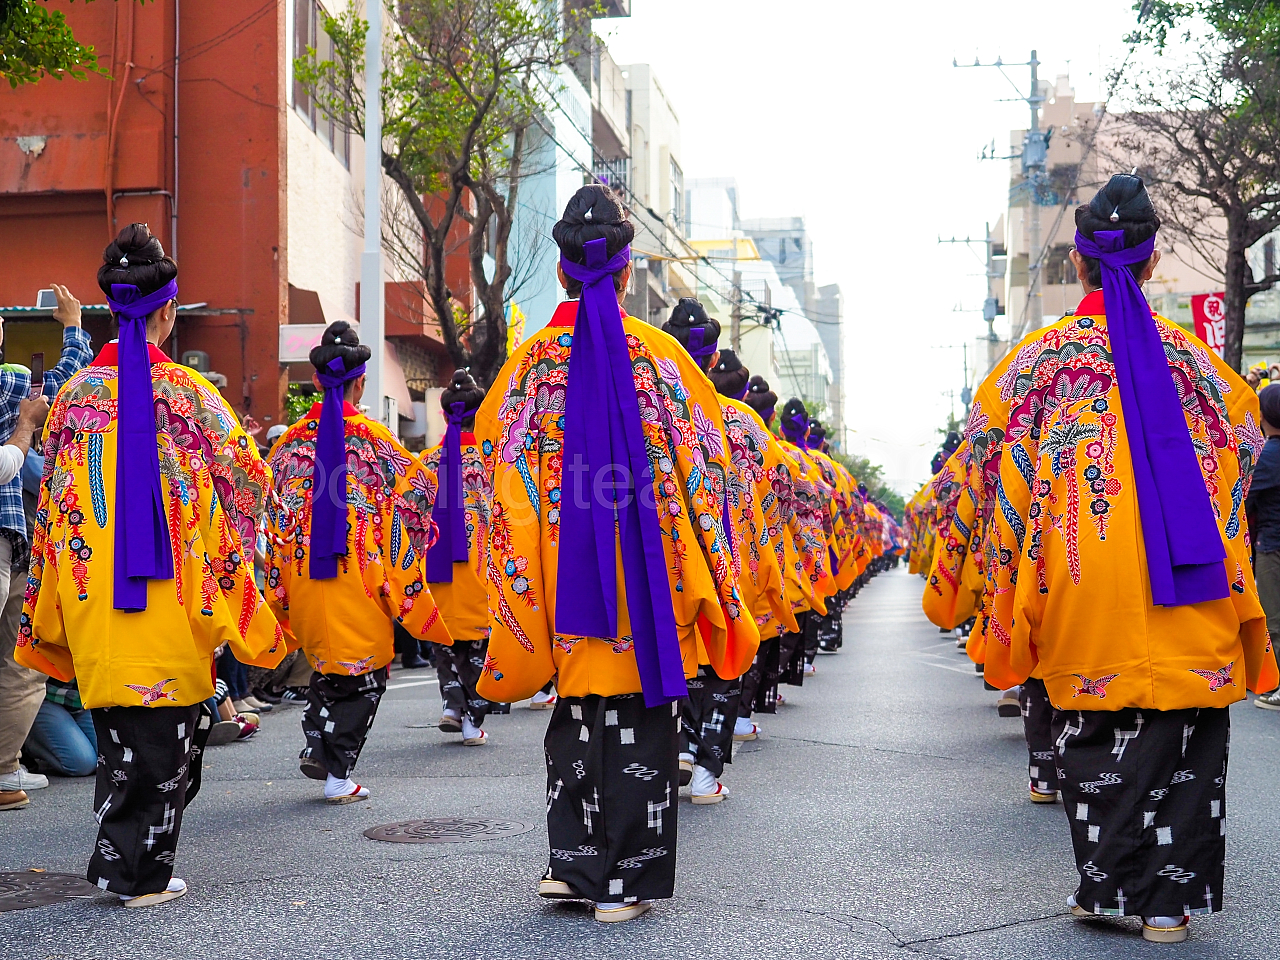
<point>372,328</point>
<point>1035,150</point>
<point>735,329</point>
<point>1035,155</point>
<point>991,304</point>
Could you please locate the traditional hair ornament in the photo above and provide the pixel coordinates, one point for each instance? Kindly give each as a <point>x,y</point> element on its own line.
<point>124,261</point>
<point>587,215</point>
<point>1115,214</point>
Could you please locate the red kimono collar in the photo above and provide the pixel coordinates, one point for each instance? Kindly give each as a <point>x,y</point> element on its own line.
<point>567,313</point>
<point>348,410</point>
<point>109,355</point>
<point>1092,306</point>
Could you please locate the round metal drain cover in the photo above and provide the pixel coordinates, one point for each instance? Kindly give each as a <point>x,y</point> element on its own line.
<point>22,891</point>
<point>447,830</point>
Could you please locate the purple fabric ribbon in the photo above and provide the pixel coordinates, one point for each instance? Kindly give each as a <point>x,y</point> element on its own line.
<point>603,436</point>
<point>795,427</point>
<point>697,348</point>
<point>813,442</point>
<point>329,483</point>
<point>142,548</point>
<point>741,394</point>
<point>449,512</point>
<point>1184,546</point>
<point>766,414</point>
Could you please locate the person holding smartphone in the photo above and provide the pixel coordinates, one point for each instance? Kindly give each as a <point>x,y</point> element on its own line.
<point>22,690</point>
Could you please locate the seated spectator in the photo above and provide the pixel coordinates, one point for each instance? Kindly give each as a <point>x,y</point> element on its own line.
<point>62,740</point>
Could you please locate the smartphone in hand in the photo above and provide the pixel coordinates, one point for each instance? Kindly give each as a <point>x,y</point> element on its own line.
<point>37,375</point>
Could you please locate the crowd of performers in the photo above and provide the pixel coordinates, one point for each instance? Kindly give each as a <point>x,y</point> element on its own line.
<point>613,528</point>
<point>1088,535</point>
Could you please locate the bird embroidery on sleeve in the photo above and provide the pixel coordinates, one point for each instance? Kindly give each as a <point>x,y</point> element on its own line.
<point>155,693</point>
<point>1094,688</point>
<point>1217,678</point>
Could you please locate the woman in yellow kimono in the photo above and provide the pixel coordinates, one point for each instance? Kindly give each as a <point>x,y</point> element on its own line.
<point>607,560</point>
<point>142,566</point>
<point>709,713</point>
<point>742,396</point>
<point>794,653</point>
<point>348,529</point>
<point>1121,570</point>
<point>857,545</point>
<point>455,564</point>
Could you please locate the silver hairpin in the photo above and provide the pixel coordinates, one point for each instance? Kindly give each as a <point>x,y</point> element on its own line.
<point>587,215</point>
<point>1115,214</point>
<point>124,261</point>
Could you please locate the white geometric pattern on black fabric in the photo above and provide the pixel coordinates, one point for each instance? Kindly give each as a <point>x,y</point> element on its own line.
<point>1165,777</point>
<point>655,812</point>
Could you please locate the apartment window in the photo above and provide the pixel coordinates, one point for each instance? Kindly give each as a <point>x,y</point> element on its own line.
<point>677,194</point>
<point>308,32</point>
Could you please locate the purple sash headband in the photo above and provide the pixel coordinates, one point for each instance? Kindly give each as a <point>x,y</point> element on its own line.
<point>449,512</point>
<point>604,441</point>
<point>741,394</point>
<point>795,427</point>
<point>329,483</point>
<point>1184,546</point>
<point>697,349</point>
<point>142,548</point>
<point>766,414</point>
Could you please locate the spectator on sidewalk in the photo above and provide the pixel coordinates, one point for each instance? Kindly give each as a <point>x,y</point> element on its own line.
<point>22,691</point>
<point>62,739</point>
<point>1263,509</point>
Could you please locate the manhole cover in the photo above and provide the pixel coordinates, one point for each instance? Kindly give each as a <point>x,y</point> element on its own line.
<point>446,830</point>
<point>22,891</point>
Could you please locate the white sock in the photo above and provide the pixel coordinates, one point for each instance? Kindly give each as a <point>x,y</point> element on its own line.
<point>742,725</point>
<point>1163,923</point>
<point>174,886</point>
<point>333,787</point>
<point>469,730</point>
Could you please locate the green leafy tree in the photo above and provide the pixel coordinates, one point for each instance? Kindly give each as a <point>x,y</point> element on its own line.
<point>872,474</point>
<point>466,87</point>
<point>1205,135</point>
<point>36,42</point>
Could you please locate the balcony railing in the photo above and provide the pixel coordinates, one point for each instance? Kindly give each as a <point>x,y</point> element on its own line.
<point>616,173</point>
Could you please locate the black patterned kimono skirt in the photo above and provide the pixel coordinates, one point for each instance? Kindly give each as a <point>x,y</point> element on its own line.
<point>1145,793</point>
<point>760,683</point>
<point>1037,726</point>
<point>612,792</point>
<point>459,668</point>
<point>339,716</point>
<point>149,764</point>
<point>707,718</point>
<point>791,652</point>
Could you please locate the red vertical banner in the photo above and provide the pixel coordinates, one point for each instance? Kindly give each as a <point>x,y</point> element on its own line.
<point>1210,314</point>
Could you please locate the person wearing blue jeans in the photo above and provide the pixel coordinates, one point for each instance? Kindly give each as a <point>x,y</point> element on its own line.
<point>62,738</point>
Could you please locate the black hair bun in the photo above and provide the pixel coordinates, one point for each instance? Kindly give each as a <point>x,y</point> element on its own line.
<point>136,257</point>
<point>462,389</point>
<point>691,313</point>
<point>593,212</point>
<point>816,430</point>
<point>339,340</point>
<point>728,362</point>
<point>759,397</point>
<point>1123,198</point>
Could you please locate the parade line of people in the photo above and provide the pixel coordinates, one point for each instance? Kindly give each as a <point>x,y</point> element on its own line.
<point>613,530</point>
<point>1088,535</point>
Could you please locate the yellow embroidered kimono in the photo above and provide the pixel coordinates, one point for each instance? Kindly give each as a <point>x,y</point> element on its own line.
<point>214,485</point>
<point>847,535</point>
<point>759,511</point>
<point>344,625</point>
<point>520,428</point>
<point>464,602</point>
<point>1066,564</point>
<point>954,588</point>
<point>813,529</point>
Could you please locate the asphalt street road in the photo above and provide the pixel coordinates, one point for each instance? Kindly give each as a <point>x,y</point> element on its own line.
<point>882,814</point>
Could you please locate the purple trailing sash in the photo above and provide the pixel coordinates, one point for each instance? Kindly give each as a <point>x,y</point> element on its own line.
<point>142,548</point>
<point>697,347</point>
<point>604,436</point>
<point>329,484</point>
<point>1184,546</point>
<point>449,512</point>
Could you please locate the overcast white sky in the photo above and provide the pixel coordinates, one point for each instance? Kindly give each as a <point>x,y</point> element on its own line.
<point>852,116</point>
